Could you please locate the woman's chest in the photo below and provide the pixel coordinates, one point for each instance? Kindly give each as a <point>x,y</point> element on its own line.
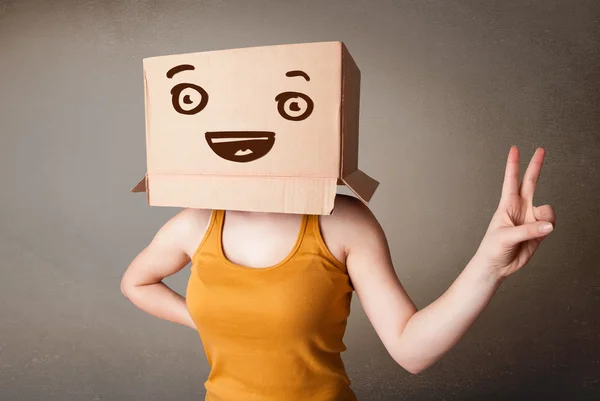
<point>294,298</point>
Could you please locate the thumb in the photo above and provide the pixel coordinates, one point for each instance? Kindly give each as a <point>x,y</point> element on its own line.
<point>526,232</point>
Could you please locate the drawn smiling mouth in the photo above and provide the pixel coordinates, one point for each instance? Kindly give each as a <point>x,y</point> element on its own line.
<point>240,146</point>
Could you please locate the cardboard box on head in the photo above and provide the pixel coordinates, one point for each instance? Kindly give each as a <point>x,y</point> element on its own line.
<point>265,129</point>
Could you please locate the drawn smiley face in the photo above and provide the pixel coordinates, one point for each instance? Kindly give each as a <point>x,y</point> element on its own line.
<point>239,146</point>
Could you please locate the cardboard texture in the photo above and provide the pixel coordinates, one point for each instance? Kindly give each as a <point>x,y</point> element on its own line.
<point>266,129</point>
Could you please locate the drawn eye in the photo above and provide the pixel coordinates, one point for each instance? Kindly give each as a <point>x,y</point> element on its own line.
<point>294,106</point>
<point>188,98</point>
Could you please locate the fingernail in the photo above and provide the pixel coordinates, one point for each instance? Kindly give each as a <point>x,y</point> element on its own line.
<point>546,228</point>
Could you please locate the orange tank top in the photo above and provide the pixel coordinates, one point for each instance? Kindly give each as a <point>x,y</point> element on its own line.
<point>273,333</point>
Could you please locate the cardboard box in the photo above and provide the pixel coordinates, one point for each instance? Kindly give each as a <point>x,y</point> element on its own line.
<point>266,129</point>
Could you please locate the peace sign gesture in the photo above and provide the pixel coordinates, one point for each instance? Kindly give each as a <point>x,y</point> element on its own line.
<point>517,227</point>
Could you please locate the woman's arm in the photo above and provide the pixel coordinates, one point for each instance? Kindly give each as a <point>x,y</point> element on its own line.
<point>168,253</point>
<point>434,330</point>
<point>414,339</point>
<point>417,339</point>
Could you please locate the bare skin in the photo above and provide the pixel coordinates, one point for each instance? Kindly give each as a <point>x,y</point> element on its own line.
<point>414,339</point>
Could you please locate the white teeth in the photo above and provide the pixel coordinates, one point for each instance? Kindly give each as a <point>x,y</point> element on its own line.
<point>220,140</point>
<point>243,152</point>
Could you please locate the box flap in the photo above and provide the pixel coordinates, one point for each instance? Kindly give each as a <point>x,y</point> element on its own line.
<point>141,186</point>
<point>298,195</point>
<point>361,184</point>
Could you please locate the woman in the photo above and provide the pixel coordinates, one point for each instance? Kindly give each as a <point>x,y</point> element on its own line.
<point>270,293</point>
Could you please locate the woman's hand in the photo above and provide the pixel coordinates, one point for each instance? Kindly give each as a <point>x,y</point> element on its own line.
<point>517,227</point>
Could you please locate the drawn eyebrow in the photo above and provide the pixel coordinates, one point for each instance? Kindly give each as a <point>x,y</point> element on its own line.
<point>179,68</point>
<point>298,73</point>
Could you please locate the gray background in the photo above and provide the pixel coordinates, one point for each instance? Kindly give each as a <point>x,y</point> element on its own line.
<point>447,88</point>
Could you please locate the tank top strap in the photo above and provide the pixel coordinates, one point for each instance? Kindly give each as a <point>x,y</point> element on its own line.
<point>314,243</point>
<point>311,237</point>
<point>312,226</point>
<point>218,216</point>
<point>210,241</point>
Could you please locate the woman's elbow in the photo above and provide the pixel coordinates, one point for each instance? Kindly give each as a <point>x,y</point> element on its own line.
<point>413,370</point>
<point>411,367</point>
<point>126,288</point>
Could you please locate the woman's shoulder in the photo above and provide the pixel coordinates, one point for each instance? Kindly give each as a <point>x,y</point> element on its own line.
<point>188,227</point>
<point>348,211</point>
<point>350,221</point>
<point>192,219</point>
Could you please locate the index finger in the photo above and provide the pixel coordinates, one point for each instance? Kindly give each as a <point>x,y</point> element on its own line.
<point>511,174</point>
